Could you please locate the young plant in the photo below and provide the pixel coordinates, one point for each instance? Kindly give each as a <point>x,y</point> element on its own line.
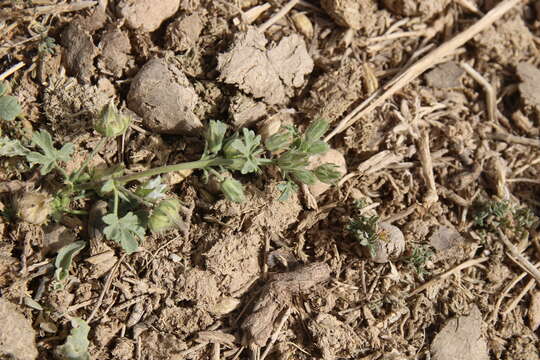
<point>365,230</point>
<point>418,259</point>
<point>133,210</point>
<point>493,215</point>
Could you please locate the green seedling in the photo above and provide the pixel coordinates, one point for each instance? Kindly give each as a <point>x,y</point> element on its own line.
<point>365,230</point>
<point>494,215</point>
<point>419,257</point>
<point>140,206</point>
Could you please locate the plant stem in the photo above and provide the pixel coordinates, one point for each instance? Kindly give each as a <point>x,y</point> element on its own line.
<point>116,202</point>
<point>87,160</point>
<point>200,164</point>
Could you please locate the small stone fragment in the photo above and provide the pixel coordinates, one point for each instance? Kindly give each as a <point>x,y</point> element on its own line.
<point>445,238</point>
<point>17,337</point>
<point>356,14</point>
<point>79,52</point>
<point>389,245</point>
<point>115,47</point>
<point>461,339</point>
<point>445,76</point>
<point>183,33</point>
<point>163,96</point>
<point>534,311</point>
<point>415,7</point>
<point>146,15</point>
<point>265,74</point>
<point>332,156</point>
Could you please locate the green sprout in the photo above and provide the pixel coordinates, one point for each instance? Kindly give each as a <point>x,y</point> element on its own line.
<point>419,257</point>
<point>135,208</point>
<point>365,230</point>
<point>493,215</point>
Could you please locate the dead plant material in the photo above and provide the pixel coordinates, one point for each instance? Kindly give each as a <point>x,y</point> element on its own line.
<point>466,264</point>
<point>424,154</point>
<point>277,294</point>
<point>434,57</point>
<point>518,258</point>
<point>491,97</point>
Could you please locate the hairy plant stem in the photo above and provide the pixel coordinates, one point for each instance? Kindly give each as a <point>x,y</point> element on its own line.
<point>199,164</point>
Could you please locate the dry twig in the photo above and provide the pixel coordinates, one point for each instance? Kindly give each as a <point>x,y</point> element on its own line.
<point>491,97</point>
<point>281,13</point>
<point>517,257</point>
<point>11,70</point>
<point>466,264</point>
<point>424,153</point>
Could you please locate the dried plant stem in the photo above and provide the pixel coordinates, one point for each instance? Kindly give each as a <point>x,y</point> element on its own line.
<point>517,257</point>
<point>276,333</point>
<point>424,153</point>
<point>520,296</point>
<point>466,264</point>
<point>491,98</point>
<point>106,287</point>
<point>11,70</point>
<point>422,65</point>
<point>281,13</point>
<point>514,139</point>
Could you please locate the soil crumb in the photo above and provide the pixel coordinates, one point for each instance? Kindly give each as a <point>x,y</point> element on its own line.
<point>79,52</point>
<point>461,338</point>
<point>145,15</point>
<point>17,337</point>
<point>115,47</point>
<point>276,295</point>
<point>356,14</point>
<point>334,338</point>
<point>267,74</point>
<point>416,8</point>
<point>183,33</point>
<point>163,96</point>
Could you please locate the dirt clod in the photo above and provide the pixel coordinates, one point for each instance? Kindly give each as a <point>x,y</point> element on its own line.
<point>258,326</point>
<point>461,338</point>
<point>79,52</point>
<point>356,14</point>
<point>334,338</point>
<point>268,74</point>
<point>183,33</point>
<point>416,8</point>
<point>17,337</point>
<point>163,96</point>
<point>115,47</point>
<point>529,87</point>
<point>146,15</point>
<point>445,238</point>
